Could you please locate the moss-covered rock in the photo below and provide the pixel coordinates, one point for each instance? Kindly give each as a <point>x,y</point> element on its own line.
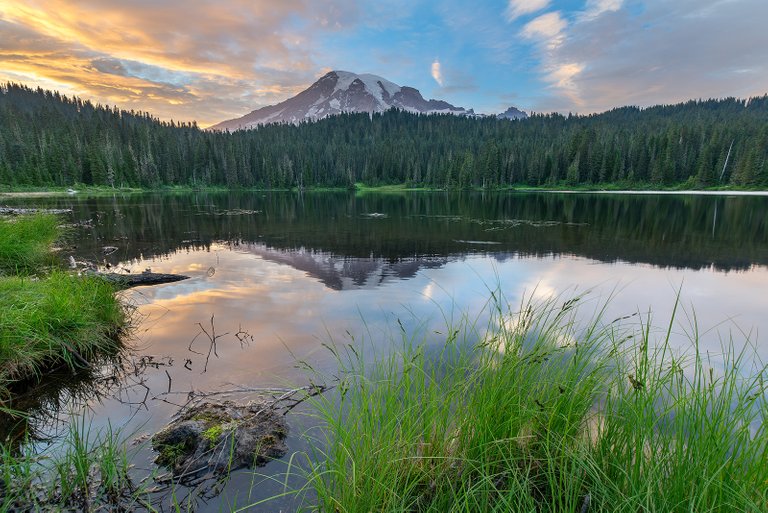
<point>220,437</point>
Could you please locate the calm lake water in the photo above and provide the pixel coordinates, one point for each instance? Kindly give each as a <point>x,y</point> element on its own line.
<point>296,270</point>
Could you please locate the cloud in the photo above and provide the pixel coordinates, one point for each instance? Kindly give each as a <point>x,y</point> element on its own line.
<point>437,73</point>
<point>211,60</point>
<point>653,52</point>
<point>595,8</point>
<point>517,8</point>
<point>477,24</point>
<point>546,27</point>
<point>548,32</point>
<point>178,59</point>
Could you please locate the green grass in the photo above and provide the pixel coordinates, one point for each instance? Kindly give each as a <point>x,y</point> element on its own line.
<point>60,319</point>
<point>57,190</point>
<point>361,188</point>
<point>85,472</point>
<point>25,243</point>
<point>49,317</point>
<point>537,411</point>
<point>546,414</point>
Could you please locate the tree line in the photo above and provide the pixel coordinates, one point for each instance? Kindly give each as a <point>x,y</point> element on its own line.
<point>50,139</point>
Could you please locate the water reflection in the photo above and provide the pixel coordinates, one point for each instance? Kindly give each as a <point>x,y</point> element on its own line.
<point>294,271</point>
<point>344,273</point>
<point>727,233</point>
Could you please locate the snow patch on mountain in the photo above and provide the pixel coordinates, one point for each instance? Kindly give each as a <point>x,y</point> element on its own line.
<point>374,84</point>
<point>338,92</point>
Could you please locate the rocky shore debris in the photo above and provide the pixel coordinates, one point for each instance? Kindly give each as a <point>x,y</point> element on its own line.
<point>12,211</point>
<point>236,212</point>
<point>220,437</point>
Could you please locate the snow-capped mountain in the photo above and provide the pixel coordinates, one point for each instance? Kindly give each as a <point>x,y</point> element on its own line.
<point>512,113</point>
<point>339,92</point>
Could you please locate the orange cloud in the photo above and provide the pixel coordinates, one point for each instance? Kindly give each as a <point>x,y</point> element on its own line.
<point>177,59</point>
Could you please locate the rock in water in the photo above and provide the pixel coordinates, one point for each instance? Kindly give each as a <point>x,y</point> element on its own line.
<point>219,437</point>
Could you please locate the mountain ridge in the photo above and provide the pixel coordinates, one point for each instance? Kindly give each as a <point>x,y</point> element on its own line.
<point>339,92</point>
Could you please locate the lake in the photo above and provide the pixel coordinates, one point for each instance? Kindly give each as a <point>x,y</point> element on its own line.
<point>281,275</point>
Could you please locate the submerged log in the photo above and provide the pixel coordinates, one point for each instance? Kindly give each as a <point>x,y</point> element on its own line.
<point>138,280</point>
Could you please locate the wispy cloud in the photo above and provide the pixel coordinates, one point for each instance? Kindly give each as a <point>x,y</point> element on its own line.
<point>437,73</point>
<point>595,8</point>
<point>517,8</point>
<point>548,31</point>
<point>546,27</point>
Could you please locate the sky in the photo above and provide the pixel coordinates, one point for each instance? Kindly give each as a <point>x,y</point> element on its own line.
<point>214,60</point>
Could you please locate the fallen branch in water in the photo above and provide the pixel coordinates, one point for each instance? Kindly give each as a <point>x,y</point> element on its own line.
<point>138,280</point>
<point>286,400</point>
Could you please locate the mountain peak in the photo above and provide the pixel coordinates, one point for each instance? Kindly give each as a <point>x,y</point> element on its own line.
<point>339,92</point>
<point>512,113</point>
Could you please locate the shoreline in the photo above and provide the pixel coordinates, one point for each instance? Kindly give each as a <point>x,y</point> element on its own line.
<point>382,189</point>
<point>689,192</point>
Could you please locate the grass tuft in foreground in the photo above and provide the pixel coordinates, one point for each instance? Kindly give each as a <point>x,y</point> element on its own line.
<point>25,243</point>
<point>88,472</point>
<point>547,414</point>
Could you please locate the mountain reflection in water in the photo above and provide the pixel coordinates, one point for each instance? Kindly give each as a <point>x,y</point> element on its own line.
<point>678,231</point>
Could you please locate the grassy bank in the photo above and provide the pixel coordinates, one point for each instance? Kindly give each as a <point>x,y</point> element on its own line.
<point>25,243</point>
<point>59,319</point>
<point>81,189</point>
<point>546,414</point>
<point>49,317</point>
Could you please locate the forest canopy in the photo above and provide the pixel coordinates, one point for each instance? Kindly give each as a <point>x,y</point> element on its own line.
<point>47,139</point>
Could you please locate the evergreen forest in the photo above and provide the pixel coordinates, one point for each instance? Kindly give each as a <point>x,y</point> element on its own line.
<point>48,139</point>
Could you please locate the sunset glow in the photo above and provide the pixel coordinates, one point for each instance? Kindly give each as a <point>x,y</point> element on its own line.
<point>208,61</point>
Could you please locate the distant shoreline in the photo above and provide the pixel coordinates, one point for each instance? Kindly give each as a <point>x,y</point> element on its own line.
<point>691,192</point>
<point>360,188</point>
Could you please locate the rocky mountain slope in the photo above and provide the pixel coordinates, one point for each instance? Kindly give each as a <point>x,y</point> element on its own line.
<point>340,92</point>
<point>512,113</point>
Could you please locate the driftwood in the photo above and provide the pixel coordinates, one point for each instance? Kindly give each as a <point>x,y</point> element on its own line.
<point>10,211</point>
<point>138,280</point>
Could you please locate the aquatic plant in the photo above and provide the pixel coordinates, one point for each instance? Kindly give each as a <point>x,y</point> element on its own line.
<point>545,413</point>
<point>85,471</point>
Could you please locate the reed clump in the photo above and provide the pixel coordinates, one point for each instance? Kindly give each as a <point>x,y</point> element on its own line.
<point>547,414</point>
<point>88,471</point>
